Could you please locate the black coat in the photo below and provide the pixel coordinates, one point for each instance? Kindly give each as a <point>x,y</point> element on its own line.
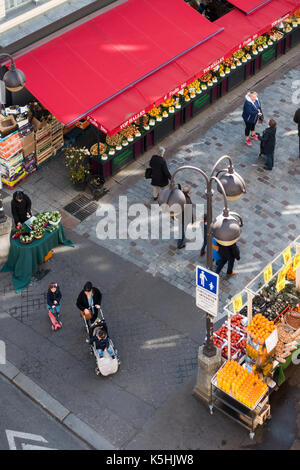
<point>82,301</point>
<point>268,140</point>
<point>160,172</point>
<point>19,209</point>
<point>51,296</point>
<point>229,252</point>
<point>297,119</point>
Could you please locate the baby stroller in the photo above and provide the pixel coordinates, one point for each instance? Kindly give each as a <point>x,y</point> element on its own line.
<point>107,364</point>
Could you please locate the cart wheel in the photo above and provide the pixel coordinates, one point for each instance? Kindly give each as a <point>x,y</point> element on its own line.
<point>211,408</point>
<point>251,435</point>
<point>52,328</point>
<point>269,417</point>
<point>97,371</point>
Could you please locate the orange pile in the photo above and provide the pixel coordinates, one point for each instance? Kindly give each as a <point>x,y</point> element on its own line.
<point>291,273</point>
<point>260,328</point>
<point>242,384</point>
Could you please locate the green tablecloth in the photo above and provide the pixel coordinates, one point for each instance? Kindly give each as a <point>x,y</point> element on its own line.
<point>23,260</point>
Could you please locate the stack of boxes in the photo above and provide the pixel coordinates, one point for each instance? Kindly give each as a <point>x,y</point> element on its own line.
<point>43,143</point>
<point>57,135</point>
<point>28,143</point>
<point>25,145</point>
<point>11,159</point>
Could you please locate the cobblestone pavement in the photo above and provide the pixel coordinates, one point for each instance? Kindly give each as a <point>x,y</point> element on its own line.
<point>269,209</point>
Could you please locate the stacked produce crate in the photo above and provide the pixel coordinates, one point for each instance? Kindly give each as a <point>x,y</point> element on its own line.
<point>28,143</point>
<point>11,159</point>
<point>43,144</point>
<point>57,135</point>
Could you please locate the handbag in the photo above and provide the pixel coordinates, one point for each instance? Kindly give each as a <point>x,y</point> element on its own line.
<point>260,118</point>
<point>148,173</point>
<point>87,316</point>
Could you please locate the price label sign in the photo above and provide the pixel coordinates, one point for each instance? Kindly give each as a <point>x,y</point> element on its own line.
<point>268,273</point>
<point>271,341</point>
<point>280,285</point>
<point>287,267</point>
<point>296,263</point>
<point>287,255</point>
<point>281,276</point>
<point>237,304</point>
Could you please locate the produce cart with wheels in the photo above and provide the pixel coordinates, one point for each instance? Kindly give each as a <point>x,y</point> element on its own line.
<point>261,334</point>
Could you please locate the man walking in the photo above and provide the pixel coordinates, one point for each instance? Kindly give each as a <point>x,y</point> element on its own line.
<point>187,217</point>
<point>297,121</point>
<point>228,255</point>
<point>268,141</point>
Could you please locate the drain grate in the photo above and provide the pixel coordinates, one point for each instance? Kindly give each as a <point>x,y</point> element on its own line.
<point>81,207</point>
<point>86,211</point>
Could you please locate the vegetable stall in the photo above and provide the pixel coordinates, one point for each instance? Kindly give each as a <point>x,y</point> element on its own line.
<point>31,245</point>
<point>258,341</point>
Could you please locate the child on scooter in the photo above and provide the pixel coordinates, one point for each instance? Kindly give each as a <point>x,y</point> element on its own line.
<point>53,299</point>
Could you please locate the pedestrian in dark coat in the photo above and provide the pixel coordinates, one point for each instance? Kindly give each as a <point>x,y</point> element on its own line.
<point>297,121</point>
<point>268,141</point>
<point>89,301</point>
<point>186,217</point>
<point>251,114</point>
<point>228,255</point>
<point>160,172</point>
<point>20,208</point>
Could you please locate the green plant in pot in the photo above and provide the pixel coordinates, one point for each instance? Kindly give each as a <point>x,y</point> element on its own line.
<point>77,160</point>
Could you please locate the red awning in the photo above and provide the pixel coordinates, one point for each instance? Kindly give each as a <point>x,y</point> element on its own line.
<point>249,6</point>
<point>117,66</point>
<point>90,65</point>
<point>125,109</point>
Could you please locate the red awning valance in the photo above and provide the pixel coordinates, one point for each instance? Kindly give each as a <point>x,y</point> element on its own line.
<point>86,67</point>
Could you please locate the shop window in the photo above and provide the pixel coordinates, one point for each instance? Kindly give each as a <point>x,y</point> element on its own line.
<point>211,9</point>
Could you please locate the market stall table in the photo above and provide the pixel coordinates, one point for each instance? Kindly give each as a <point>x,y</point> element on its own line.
<point>23,260</point>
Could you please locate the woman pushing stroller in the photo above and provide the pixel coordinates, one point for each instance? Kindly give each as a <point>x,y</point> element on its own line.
<point>89,304</point>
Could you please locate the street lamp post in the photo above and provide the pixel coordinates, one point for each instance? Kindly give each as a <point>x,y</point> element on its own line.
<point>226,227</point>
<point>14,80</point>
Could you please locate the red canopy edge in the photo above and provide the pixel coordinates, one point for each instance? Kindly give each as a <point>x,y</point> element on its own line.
<point>249,6</point>
<point>216,51</point>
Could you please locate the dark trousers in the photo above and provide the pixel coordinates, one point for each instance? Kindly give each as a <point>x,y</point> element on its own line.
<point>180,241</point>
<point>249,127</point>
<point>221,263</point>
<point>270,160</point>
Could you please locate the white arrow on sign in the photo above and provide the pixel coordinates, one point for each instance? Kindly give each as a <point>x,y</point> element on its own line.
<point>12,435</point>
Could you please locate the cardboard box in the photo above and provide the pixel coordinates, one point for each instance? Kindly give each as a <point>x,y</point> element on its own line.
<point>28,144</point>
<point>7,126</point>
<point>37,125</point>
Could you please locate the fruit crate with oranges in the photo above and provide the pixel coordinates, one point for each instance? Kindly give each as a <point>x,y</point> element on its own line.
<point>240,395</point>
<point>260,329</point>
